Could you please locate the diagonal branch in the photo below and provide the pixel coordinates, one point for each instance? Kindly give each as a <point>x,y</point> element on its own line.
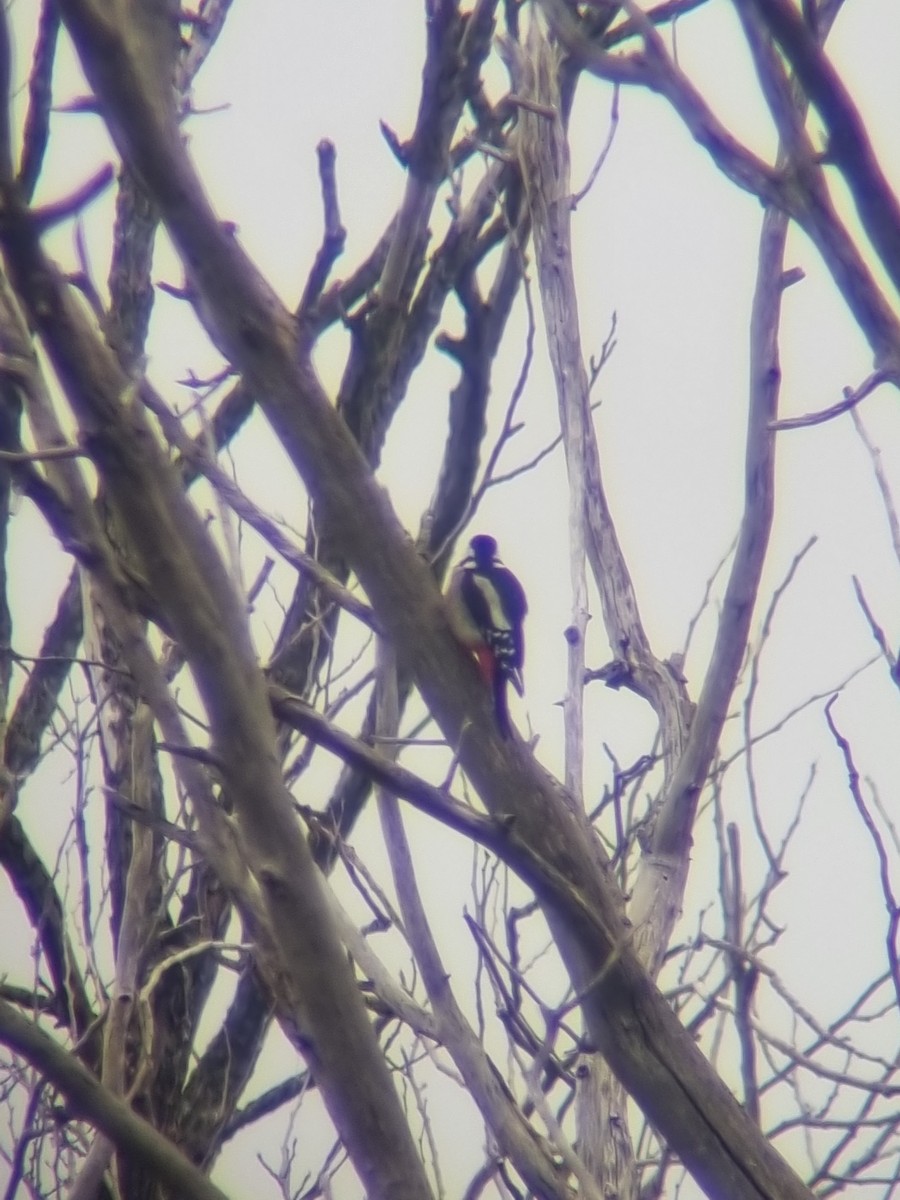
<point>36,889</point>
<point>849,146</point>
<point>805,197</point>
<point>40,97</point>
<point>852,397</point>
<point>890,901</point>
<point>515,1138</point>
<point>89,1099</point>
<point>656,70</point>
<point>676,817</point>
<point>282,901</point>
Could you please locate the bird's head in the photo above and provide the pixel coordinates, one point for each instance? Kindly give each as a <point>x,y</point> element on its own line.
<point>484,549</point>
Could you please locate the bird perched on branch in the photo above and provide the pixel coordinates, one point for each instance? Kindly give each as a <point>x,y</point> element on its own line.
<point>487,609</point>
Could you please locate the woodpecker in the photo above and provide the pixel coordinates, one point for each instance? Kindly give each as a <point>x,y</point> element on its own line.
<point>487,609</point>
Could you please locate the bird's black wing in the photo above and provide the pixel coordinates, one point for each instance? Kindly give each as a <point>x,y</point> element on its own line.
<point>515,606</point>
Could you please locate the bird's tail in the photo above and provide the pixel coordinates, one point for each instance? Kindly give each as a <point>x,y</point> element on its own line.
<point>515,678</point>
<point>501,707</point>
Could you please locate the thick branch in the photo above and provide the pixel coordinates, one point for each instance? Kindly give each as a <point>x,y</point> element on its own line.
<point>515,1138</point>
<point>656,70</point>
<point>673,827</point>
<point>804,197</point>
<point>89,1099</point>
<point>849,146</point>
<point>300,950</point>
<point>40,97</point>
<point>36,889</point>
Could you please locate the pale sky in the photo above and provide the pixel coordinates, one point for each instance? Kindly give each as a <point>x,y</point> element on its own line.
<point>665,242</point>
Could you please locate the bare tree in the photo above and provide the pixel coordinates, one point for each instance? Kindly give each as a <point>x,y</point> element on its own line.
<point>217,886</point>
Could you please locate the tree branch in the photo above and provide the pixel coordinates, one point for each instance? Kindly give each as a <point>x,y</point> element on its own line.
<point>849,146</point>
<point>89,1099</point>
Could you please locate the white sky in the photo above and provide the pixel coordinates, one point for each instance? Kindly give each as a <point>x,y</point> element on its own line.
<point>669,245</point>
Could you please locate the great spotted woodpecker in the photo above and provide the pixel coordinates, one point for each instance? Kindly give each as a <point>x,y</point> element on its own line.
<point>487,609</point>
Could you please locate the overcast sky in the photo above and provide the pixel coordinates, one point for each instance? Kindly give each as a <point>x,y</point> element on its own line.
<point>668,245</point>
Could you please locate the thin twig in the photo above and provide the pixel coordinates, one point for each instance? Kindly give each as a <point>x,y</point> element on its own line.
<point>61,210</point>
<point>883,486</point>
<point>851,399</point>
<point>52,452</point>
<point>334,234</point>
<point>890,901</point>
<point>877,632</point>
<point>578,196</point>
